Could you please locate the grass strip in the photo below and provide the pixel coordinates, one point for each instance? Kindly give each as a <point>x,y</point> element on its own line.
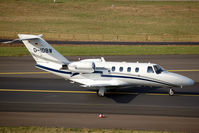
<point>113,20</point>
<point>70,130</point>
<point>91,50</point>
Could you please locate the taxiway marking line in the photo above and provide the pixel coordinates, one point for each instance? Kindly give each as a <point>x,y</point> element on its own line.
<point>183,70</point>
<point>21,73</point>
<point>54,91</point>
<point>92,92</point>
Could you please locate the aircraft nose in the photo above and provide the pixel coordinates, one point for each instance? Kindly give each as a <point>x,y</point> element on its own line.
<point>188,82</point>
<point>185,81</point>
<point>180,80</point>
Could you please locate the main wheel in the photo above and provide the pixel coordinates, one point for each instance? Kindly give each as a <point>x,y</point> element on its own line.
<point>171,92</point>
<point>101,92</point>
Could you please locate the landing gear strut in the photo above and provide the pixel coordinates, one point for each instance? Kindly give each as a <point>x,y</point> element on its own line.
<point>101,92</point>
<point>171,92</point>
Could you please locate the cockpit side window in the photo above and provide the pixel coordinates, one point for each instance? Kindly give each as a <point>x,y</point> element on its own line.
<point>113,68</point>
<point>150,69</point>
<point>158,69</point>
<point>137,69</point>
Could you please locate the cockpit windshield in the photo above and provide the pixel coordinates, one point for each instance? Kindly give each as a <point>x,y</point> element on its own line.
<point>158,69</point>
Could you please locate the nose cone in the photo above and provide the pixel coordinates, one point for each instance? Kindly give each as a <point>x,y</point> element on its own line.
<point>180,80</point>
<point>187,81</point>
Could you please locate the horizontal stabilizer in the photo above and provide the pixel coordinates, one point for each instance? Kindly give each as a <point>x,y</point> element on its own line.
<point>29,37</point>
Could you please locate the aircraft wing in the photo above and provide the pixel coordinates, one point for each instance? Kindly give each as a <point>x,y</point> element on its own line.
<point>100,83</point>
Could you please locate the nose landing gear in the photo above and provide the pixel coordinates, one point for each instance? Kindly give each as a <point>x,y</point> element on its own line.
<point>171,92</point>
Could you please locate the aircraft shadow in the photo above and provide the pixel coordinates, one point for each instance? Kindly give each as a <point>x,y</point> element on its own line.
<point>126,95</point>
<point>121,98</point>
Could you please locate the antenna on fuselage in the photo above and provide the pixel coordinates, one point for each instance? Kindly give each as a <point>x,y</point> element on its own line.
<point>102,59</point>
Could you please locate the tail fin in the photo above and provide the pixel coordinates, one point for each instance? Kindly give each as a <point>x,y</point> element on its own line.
<point>41,51</point>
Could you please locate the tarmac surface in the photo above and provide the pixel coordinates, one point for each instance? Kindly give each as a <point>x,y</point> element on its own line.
<point>31,98</point>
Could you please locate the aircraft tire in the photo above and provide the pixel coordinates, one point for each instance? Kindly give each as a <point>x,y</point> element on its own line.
<point>171,92</point>
<point>100,92</point>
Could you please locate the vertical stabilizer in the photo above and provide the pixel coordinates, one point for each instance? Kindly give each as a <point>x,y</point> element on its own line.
<point>41,51</point>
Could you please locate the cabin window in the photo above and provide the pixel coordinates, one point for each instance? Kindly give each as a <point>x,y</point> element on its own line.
<point>121,69</point>
<point>113,68</point>
<point>137,69</point>
<point>150,69</point>
<point>129,69</point>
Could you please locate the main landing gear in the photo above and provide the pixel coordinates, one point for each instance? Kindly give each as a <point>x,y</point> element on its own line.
<point>171,92</point>
<point>101,92</point>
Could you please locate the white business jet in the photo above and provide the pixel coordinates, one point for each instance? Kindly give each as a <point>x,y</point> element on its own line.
<point>99,73</point>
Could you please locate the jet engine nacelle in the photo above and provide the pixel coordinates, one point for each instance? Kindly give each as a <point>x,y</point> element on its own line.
<point>82,67</point>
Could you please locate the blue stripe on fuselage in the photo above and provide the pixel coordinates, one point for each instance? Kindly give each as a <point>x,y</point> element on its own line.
<point>113,76</point>
<point>116,76</point>
<point>51,69</point>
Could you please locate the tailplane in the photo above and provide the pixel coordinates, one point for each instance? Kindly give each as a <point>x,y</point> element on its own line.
<point>41,51</point>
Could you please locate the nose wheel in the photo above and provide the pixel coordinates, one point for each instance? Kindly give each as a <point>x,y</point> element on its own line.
<point>171,92</point>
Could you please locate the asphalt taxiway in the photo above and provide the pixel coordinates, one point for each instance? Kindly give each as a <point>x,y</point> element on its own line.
<point>24,88</point>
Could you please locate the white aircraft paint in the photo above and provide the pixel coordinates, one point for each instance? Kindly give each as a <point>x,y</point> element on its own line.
<point>100,73</point>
